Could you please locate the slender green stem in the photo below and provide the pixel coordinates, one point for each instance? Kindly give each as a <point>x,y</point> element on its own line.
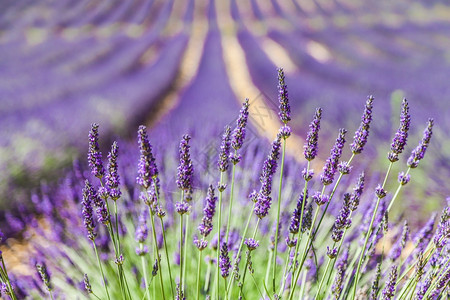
<point>256,285</point>
<point>266,279</point>
<point>199,265</point>
<point>6,278</point>
<point>302,290</point>
<point>274,263</point>
<point>230,205</point>
<point>246,264</point>
<point>397,192</point>
<point>369,231</point>
<point>167,256</point>
<point>225,286</point>
<point>51,294</point>
<point>186,246</point>
<point>181,251</point>
<point>324,275</point>
<point>207,276</point>
<point>219,221</point>
<point>101,269</point>
<point>238,253</point>
<point>158,258</point>
<point>144,267</point>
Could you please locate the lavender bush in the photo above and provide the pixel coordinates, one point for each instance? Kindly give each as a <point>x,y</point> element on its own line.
<point>150,224</point>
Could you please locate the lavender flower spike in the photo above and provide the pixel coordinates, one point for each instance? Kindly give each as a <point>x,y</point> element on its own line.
<point>88,211</point>
<point>330,168</point>
<point>225,150</point>
<point>389,289</point>
<point>283,98</point>
<point>418,153</point>
<point>45,276</point>
<point>238,135</point>
<point>185,168</point>
<point>264,199</point>
<point>224,261</point>
<point>147,168</point>
<point>310,147</point>
<point>94,154</point>
<point>399,140</point>
<point>361,135</point>
<point>208,213</point>
<point>112,176</point>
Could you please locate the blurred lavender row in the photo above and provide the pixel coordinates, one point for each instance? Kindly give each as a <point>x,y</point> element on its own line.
<point>67,64</point>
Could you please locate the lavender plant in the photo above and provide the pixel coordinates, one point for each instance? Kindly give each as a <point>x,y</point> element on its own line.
<point>119,232</point>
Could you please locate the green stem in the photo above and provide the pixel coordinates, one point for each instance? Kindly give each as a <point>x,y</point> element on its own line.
<point>199,264</point>
<point>397,192</point>
<point>274,265</point>
<point>51,294</point>
<point>186,246</point>
<point>324,275</point>
<point>230,286</point>
<point>302,290</point>
<point>231,203</point>
<point>158,258</point>
<point>369,232</point>
<point>219,221</point>
<point>246,264</point>
<point>6,278</point>
<point>167,256</point>
<point>181,251</point>
<point>101,269</point>
<point>144,267</point>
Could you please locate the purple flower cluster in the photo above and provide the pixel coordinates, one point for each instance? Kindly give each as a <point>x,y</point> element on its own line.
<point>361,135</point>
<point>389,289</point>
<point>283,98</point>
<point>251,244</point>
<point>343,220</point>
<point>264,199</point>
<point>224,152</point>
<point>397,248</point>
<point>112,175</point>
<point>208,213</point>
<point>341,267</point>
<point>399,140</point>
<point>330,168</point>
<point>88,211</point>
<point>418,153</point>
<point>185,168</point>
<point>142,229</point>
<point>224,261</point>
<point>296,215</point>
<point>94,154</point>
<point>311,144</point>
<point>238,135</point>
<point>147,169</point>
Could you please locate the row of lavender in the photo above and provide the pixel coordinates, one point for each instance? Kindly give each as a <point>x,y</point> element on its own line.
<point>306,224</point>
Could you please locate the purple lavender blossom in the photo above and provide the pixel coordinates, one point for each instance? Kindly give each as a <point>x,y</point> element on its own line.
<point>264,200</point>
<point>307,218</point>
<point>44,275</point>
<point>285,131</point>
<point>389,289</point>
<point>441,283</point>
<point>112,176</point>
<point>225,150</point>
<point>310,147</point>
<point>94,154</point>
<point>296,215</point>
<point>423,288</point>
<point>424,235</point>
<point>329,170</point>
<point>320,198</point>
<point>147,169</point>
<point>208,213</point>
<point>361,135</point>
<point>341,267</point>
<point>88,211</point>
<point>396,250</point>
<point>224,261</point>
<point>182,207</point>
<point>380,192</point>
<point>251,244</point>
<point>87,284</point>
<point>185,168</point>
<point>179,294</point>
<point>307,174</point>
<point>443,229</point>
<point>343,220</point>
<point>399,140</point>
<point>418,153</point>
<point>238,135</point>
<point>375,283</point>
<point>332,252</point>
<point>283,98</point>
<point>200,244</point>
<point>403,178</point>
<point>357,192</point>
<point>142,229</point>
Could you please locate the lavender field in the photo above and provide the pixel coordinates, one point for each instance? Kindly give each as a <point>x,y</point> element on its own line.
<point>230,190</point>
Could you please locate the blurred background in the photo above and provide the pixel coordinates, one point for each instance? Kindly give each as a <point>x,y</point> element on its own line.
<point>187,65</point>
